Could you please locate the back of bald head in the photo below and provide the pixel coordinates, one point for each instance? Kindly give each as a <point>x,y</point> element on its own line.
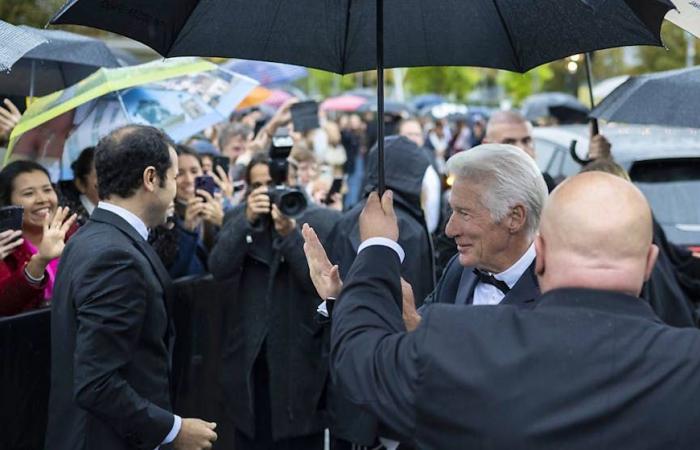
<point>504,118</point>
<point>596,232</point>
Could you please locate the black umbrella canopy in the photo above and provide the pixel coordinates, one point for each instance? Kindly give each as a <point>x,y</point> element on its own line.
<point>340,35</point>
<point>345,36</point>
<point>63,60</point>
<point>665,98</point>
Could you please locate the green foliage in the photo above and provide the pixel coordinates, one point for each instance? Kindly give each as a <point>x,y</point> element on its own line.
<point>454,82</point>
<point>35,13</point>
<point>654,59</point>
<point>518,86</point>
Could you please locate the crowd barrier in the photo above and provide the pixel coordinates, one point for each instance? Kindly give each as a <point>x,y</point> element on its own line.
<point>199,311</point>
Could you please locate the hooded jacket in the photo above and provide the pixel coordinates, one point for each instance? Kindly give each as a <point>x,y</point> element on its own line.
<point>405,166</point>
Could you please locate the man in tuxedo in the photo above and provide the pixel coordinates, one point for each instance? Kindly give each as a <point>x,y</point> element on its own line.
<point>590,366</point>
<point>111,337</point>
<point>496,201</point>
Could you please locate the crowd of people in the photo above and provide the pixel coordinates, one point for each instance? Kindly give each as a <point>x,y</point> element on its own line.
<point>464,205</point>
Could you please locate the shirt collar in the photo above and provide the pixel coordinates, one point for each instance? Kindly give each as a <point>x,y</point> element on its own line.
<point>127,215</point>
<point>512,274</point>
<point>87,204</point>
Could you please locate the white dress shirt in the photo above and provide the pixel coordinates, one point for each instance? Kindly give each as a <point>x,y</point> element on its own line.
<point>141,228</point>
<point>87,204</point>
<point>488,294</point>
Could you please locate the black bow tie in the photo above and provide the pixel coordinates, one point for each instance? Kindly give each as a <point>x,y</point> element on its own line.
<point>490,279</point>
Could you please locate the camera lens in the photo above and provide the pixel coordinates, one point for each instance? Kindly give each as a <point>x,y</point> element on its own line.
<point>292,203</point>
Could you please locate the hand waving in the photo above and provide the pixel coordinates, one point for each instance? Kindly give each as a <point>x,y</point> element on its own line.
<point>324,275</point>
<point>55,229</point>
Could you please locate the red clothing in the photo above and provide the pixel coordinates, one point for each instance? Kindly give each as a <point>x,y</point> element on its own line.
<point>17,294</point>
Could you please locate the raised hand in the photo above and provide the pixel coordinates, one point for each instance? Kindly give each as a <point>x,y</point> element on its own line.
<point>257,204</point>
<point>410,316</point>
<point>54,239</point>
<point>9,118</point>
<point>9,241</point>
<point>222,180</point>
<point>324,275</point>
<point>212,210</point>
<point>378,218</point>
<point>283,224</point>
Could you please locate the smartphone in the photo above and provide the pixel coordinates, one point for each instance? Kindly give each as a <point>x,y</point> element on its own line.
<point>305,116</point>
<point>11,218</point>
<point>205,183</point>
<point>224,162</point>
<point>335,188</point>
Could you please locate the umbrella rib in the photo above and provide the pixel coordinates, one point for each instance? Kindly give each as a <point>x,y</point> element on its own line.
<point>516,60</point>
<point>345,38</point>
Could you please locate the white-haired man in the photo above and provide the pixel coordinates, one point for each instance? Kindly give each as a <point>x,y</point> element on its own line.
<point>496,201</point>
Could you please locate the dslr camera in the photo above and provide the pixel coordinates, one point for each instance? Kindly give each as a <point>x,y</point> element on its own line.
<point>290,201</point>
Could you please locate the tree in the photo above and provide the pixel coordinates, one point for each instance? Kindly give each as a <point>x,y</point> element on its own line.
<point>455,82</point>
<point>29,12</point>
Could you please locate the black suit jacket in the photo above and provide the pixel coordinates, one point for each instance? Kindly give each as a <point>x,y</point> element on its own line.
<point>110,342</point>
<point>457,284</point>
<point>581,370</point>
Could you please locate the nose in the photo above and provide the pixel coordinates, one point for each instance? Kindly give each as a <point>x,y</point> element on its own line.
<point>450,230</point>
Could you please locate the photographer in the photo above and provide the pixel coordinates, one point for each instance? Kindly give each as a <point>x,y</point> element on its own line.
<point>273,371</point>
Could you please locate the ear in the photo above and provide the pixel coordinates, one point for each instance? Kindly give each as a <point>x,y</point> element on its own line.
<point>80,185</point>
<point>539,260</point>
<point>150,179</point>
<point>517,219</point>
<point>652,255</point>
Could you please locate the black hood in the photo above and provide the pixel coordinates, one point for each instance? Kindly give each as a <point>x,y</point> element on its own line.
<point>404,166</point>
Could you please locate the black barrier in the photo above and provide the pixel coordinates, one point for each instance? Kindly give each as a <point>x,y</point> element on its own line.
<point>199,314</point>
<point>24,379</point>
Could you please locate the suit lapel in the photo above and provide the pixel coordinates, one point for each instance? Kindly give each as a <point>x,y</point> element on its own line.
<point>525,290</point>
<point>467,284</point>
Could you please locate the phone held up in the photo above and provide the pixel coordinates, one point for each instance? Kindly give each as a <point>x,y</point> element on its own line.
<point>205,183</point>
<point>11,218</point>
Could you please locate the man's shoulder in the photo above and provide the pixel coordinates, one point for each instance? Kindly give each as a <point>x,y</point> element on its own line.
<point>98,241</point>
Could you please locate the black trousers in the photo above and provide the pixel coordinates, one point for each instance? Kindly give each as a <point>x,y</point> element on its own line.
<point>263,421</point>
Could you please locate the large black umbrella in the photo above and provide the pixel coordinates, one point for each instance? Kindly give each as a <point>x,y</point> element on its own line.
<point>15,43</point>
<point>63,60</point>
<point>665,98</point>
<point>346,36</point>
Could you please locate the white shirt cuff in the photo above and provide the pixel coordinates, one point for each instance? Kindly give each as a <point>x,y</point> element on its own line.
<point>177,423</point>
<point>386,243</point>
<point>389,444</point>
<point>322,309</point>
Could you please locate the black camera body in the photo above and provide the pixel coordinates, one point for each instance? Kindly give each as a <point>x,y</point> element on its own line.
<point>290,201</point>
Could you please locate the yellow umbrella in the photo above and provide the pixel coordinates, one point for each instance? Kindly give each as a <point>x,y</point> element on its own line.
<point>98,84</point>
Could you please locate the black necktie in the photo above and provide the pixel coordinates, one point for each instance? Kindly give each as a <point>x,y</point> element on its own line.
<point>490,279</point>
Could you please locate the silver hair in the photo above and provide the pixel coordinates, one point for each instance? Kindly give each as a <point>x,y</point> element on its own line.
<point>510,177</point>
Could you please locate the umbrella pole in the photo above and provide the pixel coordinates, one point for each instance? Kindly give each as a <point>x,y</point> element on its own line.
<point>589,78</point>
<point>380,96</point>
<point>123,106</point>
<point>31,81</point>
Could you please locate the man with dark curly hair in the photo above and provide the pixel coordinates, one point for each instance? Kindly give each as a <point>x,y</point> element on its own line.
<point>111,336</point>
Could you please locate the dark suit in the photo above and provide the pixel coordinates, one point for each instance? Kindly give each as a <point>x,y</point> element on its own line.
<point>110,342</point>
<point>457,284</point>
<point>583,369</point>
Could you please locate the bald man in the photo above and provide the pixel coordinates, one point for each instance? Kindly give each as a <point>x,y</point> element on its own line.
<point>589,367</point>
<point>510,127</point>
